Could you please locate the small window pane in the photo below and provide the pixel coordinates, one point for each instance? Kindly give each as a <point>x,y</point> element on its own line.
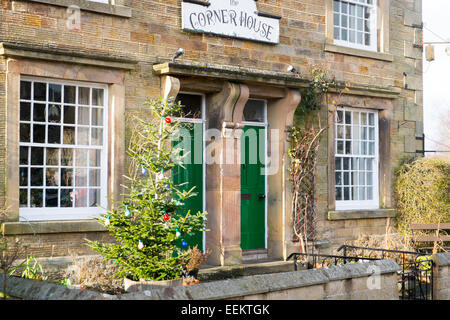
<point>337,163</point>
<point>52,177</point>
<point>371,119</point>
<point>81,158</point>
<point>83,116</point>
<point>94,197</point>
<point>94,178</point>
<point>37,156</point>
<point>23,179</point>
<point>346,193</point>
<point>54,92</point>
<point>69,115</point>
<point>97,97</point>
<point>51,198</point>
<point>338,178</point>
<point>54,134</point>
<point>23,198</point>
<point>36,198</point>
<point>344,7</point>
<point>40,91</point>
<point>23,155</point>
<point>83,136</point>
<point>39,133</point>
<point>54,113</point>
<point>369,193</point>
<point>83,95</point>
<point>66,177</point>
<point>52,157</point>
<point>81,177</point>
<point>69,135</point>
<point>337,33</point>
<point>66,198</point>
<point>70,94</point>
<point>97,117</point>
<point>97,137</point>
<point>340,147</point>
<point>39,112</point>
<point>25,90</point>
<point>24,132</point>
<point>81,197</point>
<point>37,176</point>
<point>346,164</point>
<point>25,111</point>
<point>336,6</point>
<point>340,132</point>
<point>94,158</point>
<point>348,147</point>
<point>338,193</point>
<point>336,19</point>
<point>254,111</point>
<point>67,157</point>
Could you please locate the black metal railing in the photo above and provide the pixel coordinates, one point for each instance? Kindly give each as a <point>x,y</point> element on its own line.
<point>314,260</point>
<point>415,279</point>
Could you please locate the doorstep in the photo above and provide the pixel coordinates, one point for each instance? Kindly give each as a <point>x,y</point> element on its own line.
<point>248,268</point>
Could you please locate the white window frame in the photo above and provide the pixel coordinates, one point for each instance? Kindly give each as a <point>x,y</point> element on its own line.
<point>358,204</point>
<point>64,213</point>
<point>373,27</point>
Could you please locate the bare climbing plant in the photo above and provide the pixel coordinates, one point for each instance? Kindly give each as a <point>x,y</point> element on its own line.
<point>306,136</point>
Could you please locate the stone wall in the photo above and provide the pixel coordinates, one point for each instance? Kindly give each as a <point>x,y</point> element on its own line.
<point>346,282</point>
<point>441,276</point>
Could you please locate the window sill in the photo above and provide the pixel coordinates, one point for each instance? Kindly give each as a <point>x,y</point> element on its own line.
<point>329,47</point>
<point>361,214</point>
<point>22,228</point>
<point>98,7</point>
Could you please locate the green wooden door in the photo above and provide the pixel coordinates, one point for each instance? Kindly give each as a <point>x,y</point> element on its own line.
<point>253,188</point>
<point>192,175</point>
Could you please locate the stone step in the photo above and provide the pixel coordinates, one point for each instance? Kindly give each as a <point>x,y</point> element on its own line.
<point>254,255</point>
<point>210,273</point>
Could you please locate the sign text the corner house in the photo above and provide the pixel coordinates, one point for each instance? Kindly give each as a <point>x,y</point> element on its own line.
<point>231,18</point>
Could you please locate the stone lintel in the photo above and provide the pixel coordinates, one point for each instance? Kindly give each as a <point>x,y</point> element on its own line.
<point>92,6</point>
<point>92,58</point>
<point>361,214</point>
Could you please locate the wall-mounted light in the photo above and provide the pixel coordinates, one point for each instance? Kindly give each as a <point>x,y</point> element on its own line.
<point>177,54</point>
<point>293,70</point>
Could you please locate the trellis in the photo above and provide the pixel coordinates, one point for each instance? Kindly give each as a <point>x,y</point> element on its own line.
<point>304,154</point>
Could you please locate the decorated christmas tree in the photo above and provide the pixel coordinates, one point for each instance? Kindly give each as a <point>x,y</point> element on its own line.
<point>150,224</point>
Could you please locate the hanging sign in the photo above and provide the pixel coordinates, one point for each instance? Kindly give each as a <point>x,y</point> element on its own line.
<point>230,18</point>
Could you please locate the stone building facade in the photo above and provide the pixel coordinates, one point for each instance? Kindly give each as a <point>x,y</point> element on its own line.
<point>77,68</point>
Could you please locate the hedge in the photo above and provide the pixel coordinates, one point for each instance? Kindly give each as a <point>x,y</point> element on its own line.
<point>422,191</point>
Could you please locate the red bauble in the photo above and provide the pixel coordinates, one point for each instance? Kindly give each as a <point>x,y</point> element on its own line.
<point>168,120</point>
<point>166,217</point>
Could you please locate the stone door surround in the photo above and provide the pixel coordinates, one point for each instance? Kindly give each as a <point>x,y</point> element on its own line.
<point>224,112</point>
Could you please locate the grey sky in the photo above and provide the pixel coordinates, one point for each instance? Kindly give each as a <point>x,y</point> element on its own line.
<point>436,74</point>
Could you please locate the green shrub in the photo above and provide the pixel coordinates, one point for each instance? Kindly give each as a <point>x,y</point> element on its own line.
<point>422,191</point>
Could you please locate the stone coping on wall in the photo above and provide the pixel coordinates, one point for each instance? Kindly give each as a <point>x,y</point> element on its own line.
<point>441,259</point>
<point>258,76</point>
<point>231,288</point>
<point>97,58</point>
<point>361,214</point>
<point>92,6</point>
<point>46,227</point>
